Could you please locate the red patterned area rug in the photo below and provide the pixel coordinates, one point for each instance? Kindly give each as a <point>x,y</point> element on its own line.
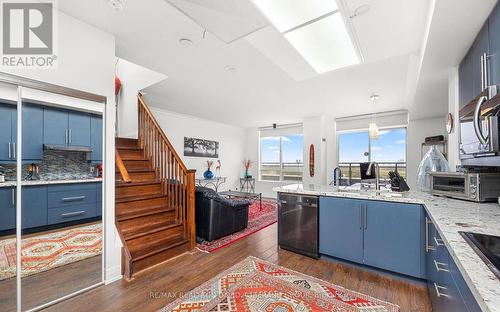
<point>257,285</point>
<point>257,220</point>
<point>47,251</point>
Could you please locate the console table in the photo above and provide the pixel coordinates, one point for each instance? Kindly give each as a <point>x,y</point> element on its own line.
<point>214,182</point>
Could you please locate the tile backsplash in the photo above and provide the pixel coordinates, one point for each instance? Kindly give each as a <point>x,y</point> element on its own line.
<point>56,165</point>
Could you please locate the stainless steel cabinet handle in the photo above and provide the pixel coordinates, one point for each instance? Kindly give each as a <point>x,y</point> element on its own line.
<point>482,73</point>
<point>10,150</point>
<point>438,241</point>
<point>438,293</point>
<point>485,71</point>
<point>477,121</point>
<point>360,217</point>
<point>70,134</point>
<point>438,268</point>
<point>14,150</point>
<point>282,201</point>
<point>66,136</point>
<point>428,247</point>
<point>366,217</point>
<point>67,199</point>
<point>13,197</point>
<point>72,214</point>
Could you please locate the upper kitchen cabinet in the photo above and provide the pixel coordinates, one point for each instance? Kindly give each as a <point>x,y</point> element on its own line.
<point>465,81</point>
<point>494,43</point>
<point>79,129</point>
<point>32,132</point>
<point>96,138</point>
<point>66,127</point>
<point>8,132</point>
<point>479,48</point>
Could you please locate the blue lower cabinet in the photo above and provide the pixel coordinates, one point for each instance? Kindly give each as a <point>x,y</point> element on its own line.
<point>66,195</point>
<point>394,237</point>
<point>340,228</point>
<point>71,213</point>
<point>34,206</point>
<point>99,200</point>
<point>7,208</point>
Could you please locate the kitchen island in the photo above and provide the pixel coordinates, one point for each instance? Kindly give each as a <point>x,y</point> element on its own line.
<point>449,216</point>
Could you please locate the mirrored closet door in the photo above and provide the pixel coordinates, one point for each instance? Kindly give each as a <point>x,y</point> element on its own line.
<point>55,170</point>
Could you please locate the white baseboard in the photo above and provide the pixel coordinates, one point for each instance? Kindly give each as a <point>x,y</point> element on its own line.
<point>113,274</point>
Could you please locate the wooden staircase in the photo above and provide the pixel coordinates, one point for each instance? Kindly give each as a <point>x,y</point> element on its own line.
<point>154,193</point>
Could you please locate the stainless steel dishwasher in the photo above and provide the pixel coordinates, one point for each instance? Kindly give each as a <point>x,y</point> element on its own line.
<point>298,223</point>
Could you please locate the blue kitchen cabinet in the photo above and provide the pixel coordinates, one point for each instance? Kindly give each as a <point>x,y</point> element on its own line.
<point>34,206</point>
<point>32,132</point>
<point>494,42</point>
<point>96,138</point>
<point>55,130</point>
<point>465,81</point>
<point>340,228</point>
<point>79,129</point>
<point>480,47</point>
<point>394,237</point>
<point>7,208</point>
<point>99,200</point>
<point>8,120</point>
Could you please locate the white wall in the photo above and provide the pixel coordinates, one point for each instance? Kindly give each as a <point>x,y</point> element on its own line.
<point>86,62</point>
<point>417,131</point>
<point>314,129</point>
<point>232,142</point>
<point>133,78</point>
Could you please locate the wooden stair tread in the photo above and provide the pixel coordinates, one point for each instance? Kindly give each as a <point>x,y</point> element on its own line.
<point>135,170</point>
<point>137,183</point>
<point>128,213</point>
<point>124,147</point>
<point>129,198</point>
<point>147,229</point>
<point>148,246</point>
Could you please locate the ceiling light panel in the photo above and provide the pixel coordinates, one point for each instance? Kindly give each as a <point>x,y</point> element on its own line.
<point>287,14</point>
<point>325,44</point>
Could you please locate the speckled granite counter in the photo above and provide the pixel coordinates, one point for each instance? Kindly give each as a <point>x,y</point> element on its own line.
<point>47,182</point>
<point>449,216</point>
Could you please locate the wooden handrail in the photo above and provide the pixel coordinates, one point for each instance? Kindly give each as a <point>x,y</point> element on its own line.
<point>178,182</point>
<point>121,168</point>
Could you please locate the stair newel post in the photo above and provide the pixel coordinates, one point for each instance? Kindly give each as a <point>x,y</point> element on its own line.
<point>190,214</point>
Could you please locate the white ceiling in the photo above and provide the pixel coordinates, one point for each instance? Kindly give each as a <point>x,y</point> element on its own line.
<point>272,86</point>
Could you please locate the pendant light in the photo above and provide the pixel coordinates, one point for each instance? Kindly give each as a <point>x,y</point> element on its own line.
<point>372,127</point>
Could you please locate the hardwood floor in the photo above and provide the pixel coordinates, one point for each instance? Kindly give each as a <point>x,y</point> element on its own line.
<point>154,288</point>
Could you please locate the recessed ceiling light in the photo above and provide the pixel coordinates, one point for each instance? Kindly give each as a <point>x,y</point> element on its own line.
<point>325,44</point>
<point>185,42</point>
<point>286,15</point>
<point>117,5</point>
<point>230,68</point>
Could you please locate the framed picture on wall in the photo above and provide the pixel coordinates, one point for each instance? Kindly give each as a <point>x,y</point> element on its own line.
<point>201,148</point>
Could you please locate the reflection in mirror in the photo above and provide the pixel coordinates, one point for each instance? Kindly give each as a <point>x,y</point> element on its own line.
<point>8,115</point>
<point>61,200</point>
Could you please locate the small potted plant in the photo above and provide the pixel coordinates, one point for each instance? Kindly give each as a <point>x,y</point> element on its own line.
<point>208,174</point>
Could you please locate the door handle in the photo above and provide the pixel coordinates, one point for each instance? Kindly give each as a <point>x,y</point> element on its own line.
<point>10,151</point>
<point>438,293</point>
<point>70,134</point>
<point>428,247</point>
<point>69,199</point>
<point>360,217</point>
<point>13,197</point>
<point>14,150</point>
<point>366,217</point>
<point>72,214</point>
<point>477,121</point>
<point>438,268</point>
<point>438,241</point>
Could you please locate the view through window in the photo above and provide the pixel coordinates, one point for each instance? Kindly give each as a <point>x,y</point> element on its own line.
<point>389,151</point>
<point>281,157</point>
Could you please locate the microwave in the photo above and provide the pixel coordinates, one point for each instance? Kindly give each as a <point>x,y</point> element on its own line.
<point>480,129</point>
<point>477,187</point>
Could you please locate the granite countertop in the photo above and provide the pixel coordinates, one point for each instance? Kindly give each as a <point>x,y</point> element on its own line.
<point>449,216</point>
<point>47,182</point>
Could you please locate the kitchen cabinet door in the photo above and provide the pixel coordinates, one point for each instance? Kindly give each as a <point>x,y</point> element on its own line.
<point>96,138</point>
<point>99,200</point>
<point>32,132</point>
<point>6,132</point>
<point>394,238</point>
<point>34,206</point>
<point>494,41</point>
<point>340,228</point>
<point>79,127</point>
<point>465,82</point>
<point>55,126</point>
<point>480,46</point>
<point>7,208</point>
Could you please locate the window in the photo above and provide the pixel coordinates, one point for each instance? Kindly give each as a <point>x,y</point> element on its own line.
<point>389,151</point>
<point>281,156</point>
